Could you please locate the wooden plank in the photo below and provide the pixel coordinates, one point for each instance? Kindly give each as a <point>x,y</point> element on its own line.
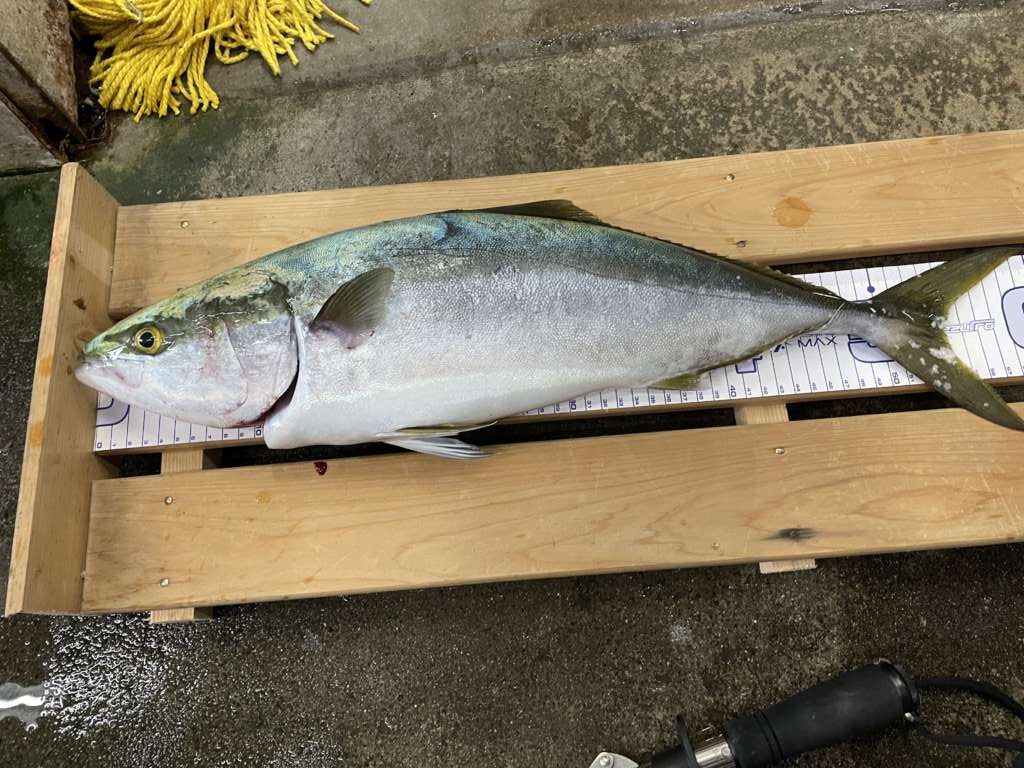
<point>787,566</point>
<point>171,462</point>
<point>772,413</point>
<point>854,485</point>
<point>774,207</point>
<point>180,615</point>
<point>187,460</point>
<point>58,468</point>
<point>763,413</point>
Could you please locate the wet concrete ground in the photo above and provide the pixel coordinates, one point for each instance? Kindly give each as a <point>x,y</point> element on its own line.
<point>545,673</point>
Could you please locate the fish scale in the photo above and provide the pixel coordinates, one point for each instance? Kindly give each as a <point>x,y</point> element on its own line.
<point>985,326</point>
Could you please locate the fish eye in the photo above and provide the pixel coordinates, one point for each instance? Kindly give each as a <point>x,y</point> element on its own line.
<point>149,340</point>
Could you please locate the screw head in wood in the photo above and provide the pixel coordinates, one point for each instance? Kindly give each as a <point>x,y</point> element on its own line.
<point>779,451</point>
<point>185,224</point>
<point>168,500</point>
<point>164,582</point>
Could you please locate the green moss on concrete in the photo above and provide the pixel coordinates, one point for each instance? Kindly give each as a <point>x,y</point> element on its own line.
<point>27,205</point>
<point>170,159</point>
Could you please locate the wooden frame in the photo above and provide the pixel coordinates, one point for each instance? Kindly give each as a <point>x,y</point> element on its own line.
<point>58,468</point>
<point>87,540</point>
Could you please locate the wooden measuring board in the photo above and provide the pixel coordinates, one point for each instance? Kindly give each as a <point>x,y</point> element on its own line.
<point>986,328</point>
<point>87,540</point>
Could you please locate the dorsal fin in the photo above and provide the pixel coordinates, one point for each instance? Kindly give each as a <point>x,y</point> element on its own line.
<point>546,209</point>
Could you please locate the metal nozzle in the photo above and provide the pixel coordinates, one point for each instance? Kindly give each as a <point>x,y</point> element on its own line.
<point>714,753</point>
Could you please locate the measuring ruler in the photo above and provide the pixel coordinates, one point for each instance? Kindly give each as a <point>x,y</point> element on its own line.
<point>985,327</point>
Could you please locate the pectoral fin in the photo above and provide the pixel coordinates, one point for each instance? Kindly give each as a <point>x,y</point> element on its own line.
<point>445,447</point>
<point>358,306</point>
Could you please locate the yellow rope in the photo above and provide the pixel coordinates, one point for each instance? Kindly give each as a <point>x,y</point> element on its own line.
<point>151,52</point>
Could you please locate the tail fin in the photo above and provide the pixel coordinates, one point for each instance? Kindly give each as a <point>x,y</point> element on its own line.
<point>920,345</point>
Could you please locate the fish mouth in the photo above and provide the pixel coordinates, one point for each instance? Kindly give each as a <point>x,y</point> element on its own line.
<point>111,379</point>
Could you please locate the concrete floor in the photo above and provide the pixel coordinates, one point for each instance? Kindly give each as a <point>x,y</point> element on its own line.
<point>545,673</point>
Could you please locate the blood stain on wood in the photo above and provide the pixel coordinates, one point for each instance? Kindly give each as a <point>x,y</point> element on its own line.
<point>80,303</point>
<point>792,212</point>
<point>321,467</point>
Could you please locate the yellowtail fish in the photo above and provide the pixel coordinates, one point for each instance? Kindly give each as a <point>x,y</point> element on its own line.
<point>412,331</point>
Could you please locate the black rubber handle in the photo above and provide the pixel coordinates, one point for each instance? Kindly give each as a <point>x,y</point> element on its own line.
<point>853,704</point>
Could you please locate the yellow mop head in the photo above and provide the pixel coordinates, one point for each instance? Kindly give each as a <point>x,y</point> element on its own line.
<point>149,52</point>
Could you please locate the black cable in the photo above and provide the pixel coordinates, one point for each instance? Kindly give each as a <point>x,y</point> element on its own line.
<point>983,690</point>
<point>979,688</point>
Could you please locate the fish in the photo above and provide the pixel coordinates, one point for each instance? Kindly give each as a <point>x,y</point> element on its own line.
<point>414,331</point>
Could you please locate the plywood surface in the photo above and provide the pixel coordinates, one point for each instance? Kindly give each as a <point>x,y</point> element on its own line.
<point>778,207</point>
<point>607,504</point>
<point>59,466</point>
